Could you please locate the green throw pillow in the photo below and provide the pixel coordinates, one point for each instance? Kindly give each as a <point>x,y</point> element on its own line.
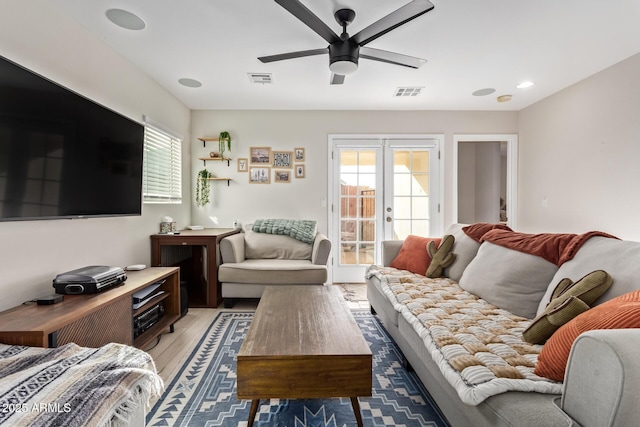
<point>567,301</point>
<point>442,257</point>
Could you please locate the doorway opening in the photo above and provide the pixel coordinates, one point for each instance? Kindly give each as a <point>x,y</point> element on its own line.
<point>485,179</point>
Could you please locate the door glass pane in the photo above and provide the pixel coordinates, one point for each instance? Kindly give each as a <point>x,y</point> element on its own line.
<point>420,208</point>
<point>357,206</point>
<point>367,231</point>
<point>366,253</point>
<point>348,253</point>
<point>401,229</point>
<point>402,207</point>
<point>420,185</point>
<point>402,184</point>
<point>411,192</point>
<point>420,227</point>
<point>368,206</point>
<point>420,161</point>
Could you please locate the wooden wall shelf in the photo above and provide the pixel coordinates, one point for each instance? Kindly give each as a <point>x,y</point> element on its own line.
<point>205,140</point>
<point>219,179</point>
<point>220,159</point>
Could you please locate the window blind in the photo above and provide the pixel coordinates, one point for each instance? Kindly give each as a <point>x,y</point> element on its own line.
<point>162,169</point>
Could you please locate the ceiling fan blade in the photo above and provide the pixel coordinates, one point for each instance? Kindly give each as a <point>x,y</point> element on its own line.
<point>391,57</point>
<point>307,17</point>
<point>401,16</point>
<point>292,55</point>
<point>337,79</point>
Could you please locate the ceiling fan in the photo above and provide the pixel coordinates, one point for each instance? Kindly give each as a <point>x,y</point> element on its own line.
<point>344,51</point>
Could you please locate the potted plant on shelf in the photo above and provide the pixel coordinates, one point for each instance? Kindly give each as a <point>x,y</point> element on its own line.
<point>224,142</point>
<point>203,187</point>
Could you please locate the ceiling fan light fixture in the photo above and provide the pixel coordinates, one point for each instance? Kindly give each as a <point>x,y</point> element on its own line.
<point>343,57</point>
<point>343,67</point>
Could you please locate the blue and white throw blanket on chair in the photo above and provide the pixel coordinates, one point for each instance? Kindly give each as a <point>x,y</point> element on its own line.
<point>300,229</point>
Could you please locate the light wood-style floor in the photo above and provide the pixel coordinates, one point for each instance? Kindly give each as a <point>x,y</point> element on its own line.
<point>173,349</point>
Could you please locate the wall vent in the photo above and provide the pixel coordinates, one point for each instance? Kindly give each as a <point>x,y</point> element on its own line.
<point>408,91</point>
<point>262,78</point>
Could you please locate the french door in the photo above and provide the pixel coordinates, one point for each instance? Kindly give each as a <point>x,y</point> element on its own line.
<point>380,188</point>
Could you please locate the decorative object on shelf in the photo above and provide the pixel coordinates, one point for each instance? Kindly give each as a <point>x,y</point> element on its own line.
<point>260,155</point>
<point>260,175</point>
<point>298,154</point>
<point>224,142</point>
<point>242,165</point>
<point>167,225</point>
<point>203,187</point>
<point>215,155</point>
<point>299,171</point>
<point>282,159</point>
<point>282,176</point>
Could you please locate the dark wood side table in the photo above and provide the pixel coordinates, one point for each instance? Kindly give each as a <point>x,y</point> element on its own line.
<point>198,267</point>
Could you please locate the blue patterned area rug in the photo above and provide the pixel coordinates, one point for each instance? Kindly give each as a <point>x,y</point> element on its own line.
<point>203,393</point>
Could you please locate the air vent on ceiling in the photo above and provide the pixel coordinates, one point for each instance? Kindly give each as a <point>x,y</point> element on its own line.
<point>262,78</point>
<point>408,91</point>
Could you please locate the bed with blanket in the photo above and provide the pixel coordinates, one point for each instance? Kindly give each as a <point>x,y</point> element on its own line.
<point>76,386</point>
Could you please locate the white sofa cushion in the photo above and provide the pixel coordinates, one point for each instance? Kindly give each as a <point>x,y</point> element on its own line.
<point>465,249</point>
<point>512,280</point>
<point>266,271</point>
<point>616,257</point>
<point>274,246</point>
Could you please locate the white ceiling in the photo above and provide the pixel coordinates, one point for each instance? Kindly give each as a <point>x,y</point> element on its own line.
<point>469,45</point>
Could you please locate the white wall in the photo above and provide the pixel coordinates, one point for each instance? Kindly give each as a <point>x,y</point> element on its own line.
<point>580,149</point>
<point>285,130</point>
<point>34,34</point>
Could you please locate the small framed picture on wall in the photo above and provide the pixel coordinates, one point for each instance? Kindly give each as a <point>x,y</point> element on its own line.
<point>298,154</point>
<point>259,175</point>
<point>260,155</point>
<point>243,165</point>
<point>299,171</point>
<point>282,159</point>
<point>282,176</point>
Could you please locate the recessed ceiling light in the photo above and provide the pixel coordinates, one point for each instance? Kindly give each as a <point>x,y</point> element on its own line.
<point>125,19</point>
<point>524,85</point>
<point>484,92</point>
<point>504,98</point>
<point>189,82</point>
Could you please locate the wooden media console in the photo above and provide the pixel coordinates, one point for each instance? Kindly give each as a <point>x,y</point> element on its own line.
<point>93,320</point>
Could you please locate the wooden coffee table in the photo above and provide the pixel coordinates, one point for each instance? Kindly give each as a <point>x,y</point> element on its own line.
<point>303,343</point>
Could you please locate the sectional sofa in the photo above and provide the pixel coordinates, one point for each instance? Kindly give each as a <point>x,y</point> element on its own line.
<point>463,332</point>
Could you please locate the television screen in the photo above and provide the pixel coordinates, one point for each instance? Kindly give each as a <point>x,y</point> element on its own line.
<point>63,155</point>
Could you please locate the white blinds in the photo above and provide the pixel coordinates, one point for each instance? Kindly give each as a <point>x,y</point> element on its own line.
<point>162,172</point>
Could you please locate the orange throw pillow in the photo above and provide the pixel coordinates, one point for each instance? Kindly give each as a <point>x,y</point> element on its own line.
<point>619,313</point>
<point>413,255</point>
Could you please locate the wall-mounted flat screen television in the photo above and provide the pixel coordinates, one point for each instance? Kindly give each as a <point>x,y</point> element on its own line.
<point>63,155</point>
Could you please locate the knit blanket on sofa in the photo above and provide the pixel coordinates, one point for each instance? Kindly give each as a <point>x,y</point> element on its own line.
<point>477,346</point>
<point>74,386</point>
<point>303,230</point>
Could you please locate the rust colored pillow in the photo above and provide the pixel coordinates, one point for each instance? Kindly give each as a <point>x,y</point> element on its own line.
<point>413,255</point>
<point>619,313</point>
